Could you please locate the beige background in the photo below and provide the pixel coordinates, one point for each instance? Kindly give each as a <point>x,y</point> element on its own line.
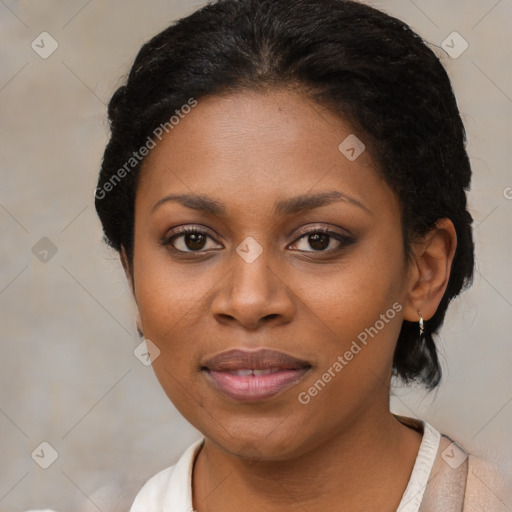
<point>68,375</point>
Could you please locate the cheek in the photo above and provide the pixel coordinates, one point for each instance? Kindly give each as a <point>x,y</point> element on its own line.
<point>354,366</point>
<point>168,294</point>
<point>164,305</point>
<point>354,295</point>
<point>356,314</point>
<point>169,316</point>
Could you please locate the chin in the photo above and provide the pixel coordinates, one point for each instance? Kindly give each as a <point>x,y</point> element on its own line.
<point>252,443</point>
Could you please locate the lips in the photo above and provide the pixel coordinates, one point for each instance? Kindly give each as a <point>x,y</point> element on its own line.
<point>252,375</point>
<point>261,359</point>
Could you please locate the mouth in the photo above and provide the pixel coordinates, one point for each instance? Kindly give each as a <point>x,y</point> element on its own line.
<point>254,375</point>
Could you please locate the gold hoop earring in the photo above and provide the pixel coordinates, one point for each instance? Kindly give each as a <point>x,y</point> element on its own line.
<point>422,327</point>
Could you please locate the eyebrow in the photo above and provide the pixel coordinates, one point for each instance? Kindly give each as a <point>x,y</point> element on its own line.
<point>297,204</point>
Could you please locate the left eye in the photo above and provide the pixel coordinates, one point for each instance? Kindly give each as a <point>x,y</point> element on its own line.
<point>320,240</point>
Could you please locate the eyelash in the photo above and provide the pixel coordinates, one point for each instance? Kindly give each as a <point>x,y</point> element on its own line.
<point>344,240</point>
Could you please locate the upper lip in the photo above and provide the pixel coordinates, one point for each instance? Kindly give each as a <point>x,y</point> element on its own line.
<point>260,359</point>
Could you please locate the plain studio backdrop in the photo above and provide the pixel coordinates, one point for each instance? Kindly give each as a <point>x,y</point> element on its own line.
<point>68,373</point>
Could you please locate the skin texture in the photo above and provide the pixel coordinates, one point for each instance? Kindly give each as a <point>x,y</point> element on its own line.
<point>343,450</point>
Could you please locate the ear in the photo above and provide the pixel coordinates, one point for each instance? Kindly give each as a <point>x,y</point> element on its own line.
<point>430,270</point>
<point>129,275</point>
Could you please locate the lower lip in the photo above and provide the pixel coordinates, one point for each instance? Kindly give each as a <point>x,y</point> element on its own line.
<point>254,388</point>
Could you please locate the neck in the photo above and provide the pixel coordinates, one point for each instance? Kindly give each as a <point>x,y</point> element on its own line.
<point>363,467</point>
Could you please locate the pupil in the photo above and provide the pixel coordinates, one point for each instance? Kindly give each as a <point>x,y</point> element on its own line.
<point>194,241</point>
<point>315,238</point>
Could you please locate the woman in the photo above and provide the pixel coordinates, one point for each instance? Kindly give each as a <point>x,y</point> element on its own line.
<point>285,185</point>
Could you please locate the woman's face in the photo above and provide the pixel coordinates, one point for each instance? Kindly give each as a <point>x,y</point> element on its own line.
<point>260,274</point>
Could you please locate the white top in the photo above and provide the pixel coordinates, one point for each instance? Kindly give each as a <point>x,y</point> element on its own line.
<point>171,489</point>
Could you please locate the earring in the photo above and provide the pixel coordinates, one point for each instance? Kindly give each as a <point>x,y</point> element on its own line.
<point>421,324</point>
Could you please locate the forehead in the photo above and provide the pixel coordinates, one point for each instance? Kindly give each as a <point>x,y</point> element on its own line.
<point>252,148</point>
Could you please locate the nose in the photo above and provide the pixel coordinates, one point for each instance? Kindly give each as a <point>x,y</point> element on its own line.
<point>253,294</point>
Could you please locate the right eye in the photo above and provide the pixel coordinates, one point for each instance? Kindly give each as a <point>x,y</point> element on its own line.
<point>188,239</point>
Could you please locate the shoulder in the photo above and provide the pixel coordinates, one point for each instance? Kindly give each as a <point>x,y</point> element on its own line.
<point>488,486</point>
<point>462,481</point>
<point>467,482</point>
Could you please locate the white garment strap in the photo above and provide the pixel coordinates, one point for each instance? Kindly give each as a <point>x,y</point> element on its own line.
<point>413,495</point>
